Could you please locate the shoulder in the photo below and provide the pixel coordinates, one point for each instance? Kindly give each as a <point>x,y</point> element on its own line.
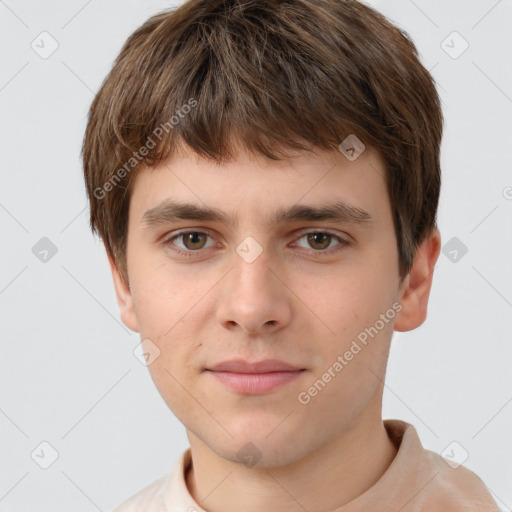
<point>149,499</point>
<point>437,483</point>
<point>459,489</point>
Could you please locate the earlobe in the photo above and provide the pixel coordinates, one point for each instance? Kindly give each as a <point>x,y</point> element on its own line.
<point>415,290</point>
<point>124,298</point>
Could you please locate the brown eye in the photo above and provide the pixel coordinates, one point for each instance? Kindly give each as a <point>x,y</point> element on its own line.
<point>189,243</point>
<point>322,243</point>
<point>319,240</point>
<point>194,240</point>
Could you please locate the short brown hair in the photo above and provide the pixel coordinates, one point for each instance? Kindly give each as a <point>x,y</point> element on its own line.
<point>269,75</point>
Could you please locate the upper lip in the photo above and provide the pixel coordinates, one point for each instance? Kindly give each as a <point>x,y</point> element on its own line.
<point>265,366</point>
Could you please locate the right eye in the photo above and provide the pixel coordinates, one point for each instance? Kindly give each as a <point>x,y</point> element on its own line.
<point>192,242</point>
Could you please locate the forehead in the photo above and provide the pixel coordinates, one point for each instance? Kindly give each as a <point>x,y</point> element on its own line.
<point>270,191</point>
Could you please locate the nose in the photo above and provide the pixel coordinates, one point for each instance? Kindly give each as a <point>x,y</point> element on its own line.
<point>253,297</point>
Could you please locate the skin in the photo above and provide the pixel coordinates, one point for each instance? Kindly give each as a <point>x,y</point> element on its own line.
<point>288,305</point>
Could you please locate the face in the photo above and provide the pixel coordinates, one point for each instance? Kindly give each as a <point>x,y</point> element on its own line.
<point>263,276</point>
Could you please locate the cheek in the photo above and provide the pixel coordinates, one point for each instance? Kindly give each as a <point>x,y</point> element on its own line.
<point>347,310</point>
<point>169,313</point>
<point>343,299</point>
<point>176,369</point>
<point>162,297</point>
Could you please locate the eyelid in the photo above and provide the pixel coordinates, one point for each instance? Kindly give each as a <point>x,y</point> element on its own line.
<point>184,231</point>
<point>345,237</point>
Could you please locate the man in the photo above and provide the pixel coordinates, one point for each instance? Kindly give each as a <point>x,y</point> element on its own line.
<point>265,177</point>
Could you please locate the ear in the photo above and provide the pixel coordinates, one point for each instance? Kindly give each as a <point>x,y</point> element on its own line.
<point>415,290</point>
<point>124,298</point>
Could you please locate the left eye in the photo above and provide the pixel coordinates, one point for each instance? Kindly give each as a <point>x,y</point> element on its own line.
<point>320,240</point>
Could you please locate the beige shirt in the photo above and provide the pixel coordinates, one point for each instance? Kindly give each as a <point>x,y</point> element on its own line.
<point>417,480</point>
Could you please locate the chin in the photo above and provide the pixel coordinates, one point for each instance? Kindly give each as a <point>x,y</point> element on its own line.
<point>255,448</point>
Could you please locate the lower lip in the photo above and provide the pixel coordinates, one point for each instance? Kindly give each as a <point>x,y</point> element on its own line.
<point>255,383</point>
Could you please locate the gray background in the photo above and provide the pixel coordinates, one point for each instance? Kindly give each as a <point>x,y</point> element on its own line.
<point>68,375</point>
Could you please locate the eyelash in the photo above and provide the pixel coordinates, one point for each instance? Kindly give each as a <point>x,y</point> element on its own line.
<point>168,242</point>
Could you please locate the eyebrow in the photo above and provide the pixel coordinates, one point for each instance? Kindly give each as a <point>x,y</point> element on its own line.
<point>172,211</point>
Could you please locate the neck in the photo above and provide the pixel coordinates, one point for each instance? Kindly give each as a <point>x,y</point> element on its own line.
<point>325,480</point>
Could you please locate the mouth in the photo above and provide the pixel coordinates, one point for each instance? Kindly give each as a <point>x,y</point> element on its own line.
<point>255,378</point>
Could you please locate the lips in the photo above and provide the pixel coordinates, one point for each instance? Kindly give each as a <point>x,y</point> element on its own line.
<point>266,366</point>
<point>256,378</point>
